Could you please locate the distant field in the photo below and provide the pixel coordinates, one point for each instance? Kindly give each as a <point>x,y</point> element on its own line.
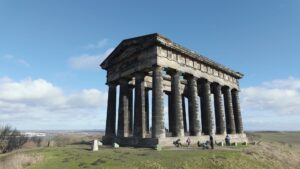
<point>290,138</point>
<point>277,150</point>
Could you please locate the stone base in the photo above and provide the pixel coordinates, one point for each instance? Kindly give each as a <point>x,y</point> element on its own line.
<point>168,141</point>
<point>108,140</point>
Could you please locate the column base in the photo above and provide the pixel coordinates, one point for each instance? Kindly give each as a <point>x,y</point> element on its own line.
<point>168,141</point>
<point>108,140</point>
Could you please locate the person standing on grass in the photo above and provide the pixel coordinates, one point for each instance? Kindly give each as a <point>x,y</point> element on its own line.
<point>188,141</point>
<point>211,139</point>
<point>227,140</point>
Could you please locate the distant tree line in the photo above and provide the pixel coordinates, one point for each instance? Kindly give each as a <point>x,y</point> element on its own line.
<point>11,139</point>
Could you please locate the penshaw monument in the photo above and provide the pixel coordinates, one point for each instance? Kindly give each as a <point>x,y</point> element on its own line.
<point>166,92</point>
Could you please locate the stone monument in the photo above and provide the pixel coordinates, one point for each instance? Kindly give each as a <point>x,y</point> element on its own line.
<point>154,67</point>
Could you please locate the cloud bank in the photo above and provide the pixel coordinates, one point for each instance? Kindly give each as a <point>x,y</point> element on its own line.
<point>273,105</point>
<point>38,104</point>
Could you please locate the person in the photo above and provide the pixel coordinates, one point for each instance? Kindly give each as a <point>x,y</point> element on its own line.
<point>227,140</point>
<point>211,139</point>
<point>188,141</point>
<point>199,144</point>
<point>177,143</point>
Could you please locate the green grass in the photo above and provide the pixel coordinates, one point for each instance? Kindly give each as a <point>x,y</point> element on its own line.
<point>277,150</point>
<point>77,156</point>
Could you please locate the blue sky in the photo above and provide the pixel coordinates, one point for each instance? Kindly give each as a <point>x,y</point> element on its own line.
<point>53,48</point>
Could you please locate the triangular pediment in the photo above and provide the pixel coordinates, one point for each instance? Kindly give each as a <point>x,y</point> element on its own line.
<point>129,47</point>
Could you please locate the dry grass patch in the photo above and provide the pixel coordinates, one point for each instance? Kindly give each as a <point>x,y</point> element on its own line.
<point>19,161</point>
<point>280,155</point>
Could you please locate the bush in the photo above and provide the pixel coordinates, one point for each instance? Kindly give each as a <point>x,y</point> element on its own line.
<point>11,139</point>
<point>37,140</point>
<point>19,161</point>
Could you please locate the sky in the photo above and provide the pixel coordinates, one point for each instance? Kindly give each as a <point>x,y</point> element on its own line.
<point>50,53</point>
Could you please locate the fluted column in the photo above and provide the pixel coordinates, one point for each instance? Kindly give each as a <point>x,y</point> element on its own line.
<point>158,127</point>
<point>237,111</point>
<point>171,119</point>
<point>230,126</point>
<point>219,111</point>
<point>123,123</point>
<point>184,113</point>
<point>139,106</point>
<point>194,116</point>
<point>110,129</point>
<point>207,120</point>
<point>176,103</point>
<point>147,109</point>
<point>130,109</point>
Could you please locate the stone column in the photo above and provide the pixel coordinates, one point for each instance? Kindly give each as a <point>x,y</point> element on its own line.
<point>207,120</point>
<point>237,111</point>
<point>130,109</point>
<point>176,104</point>
<point>123,124</point>
<point>171,119</point>
<point>219,112</point>
<point>147,110</point>
<point>158,127</point>
<point>110,129</point>
<point>228,111</point>
<point>194,116</point>
<point>139,106</point>
<point>184,113</point>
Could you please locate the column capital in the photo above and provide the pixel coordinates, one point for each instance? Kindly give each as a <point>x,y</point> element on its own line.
<point>173,72</point>
<point>215,87</point>
<point>157,67</point>
<point>188,76</point>
<point>204,81</point>
<point>124,80</point>
<point>112,83</point>
<point>140,75</point>
<point>225,88</point>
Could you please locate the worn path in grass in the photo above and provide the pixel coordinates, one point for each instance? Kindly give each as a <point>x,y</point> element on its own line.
<point>77,156</point>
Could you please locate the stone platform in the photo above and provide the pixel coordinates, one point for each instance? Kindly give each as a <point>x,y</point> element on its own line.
<point>168,141</point>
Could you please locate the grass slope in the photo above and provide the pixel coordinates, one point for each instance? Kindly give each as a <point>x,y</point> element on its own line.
<point>277,150</point>
<point>77,156</point>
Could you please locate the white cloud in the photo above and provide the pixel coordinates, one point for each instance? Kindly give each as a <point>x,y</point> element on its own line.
<point>8,56</point>
<point>278,96</point>
<point>23,62</point>
<point>38,104</point>
<point>99,44</point>
<point>12,58</point>
<point>87,61</point>
<point>273,105</point>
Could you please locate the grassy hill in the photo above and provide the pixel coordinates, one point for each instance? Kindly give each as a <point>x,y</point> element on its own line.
<point>276,150</point>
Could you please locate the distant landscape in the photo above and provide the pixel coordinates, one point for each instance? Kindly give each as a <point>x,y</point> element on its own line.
<point>72,150</point>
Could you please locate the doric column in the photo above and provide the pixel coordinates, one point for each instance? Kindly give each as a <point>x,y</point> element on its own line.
<point>147,110</point>
<point>219,111</point>
<point>184,113</point>
<point>158,127</point>
<point>139,106</point>
<point>171,119</point>
<point>123,123</point>
<point>194,119</point>
<point>130,109</point>
<point>207,120</point>
<point>230,126</point>
<point>176,103</point>
<point>110,129</point>
<point>237,111</point>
